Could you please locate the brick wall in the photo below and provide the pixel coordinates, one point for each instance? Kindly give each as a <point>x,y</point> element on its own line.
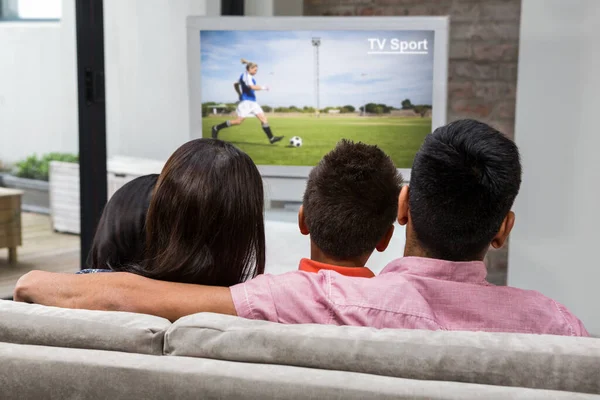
<point>484,50</point>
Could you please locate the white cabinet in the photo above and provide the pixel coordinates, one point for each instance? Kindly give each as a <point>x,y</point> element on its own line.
<point>64,187</point>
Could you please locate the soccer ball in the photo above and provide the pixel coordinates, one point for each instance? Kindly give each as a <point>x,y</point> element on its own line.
<point>296,141</point>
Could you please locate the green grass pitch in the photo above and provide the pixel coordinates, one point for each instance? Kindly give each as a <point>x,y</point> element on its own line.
<point>399,137</point>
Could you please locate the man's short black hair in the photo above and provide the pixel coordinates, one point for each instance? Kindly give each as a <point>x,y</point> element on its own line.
<point>351,199</point>
<point>463,183</point>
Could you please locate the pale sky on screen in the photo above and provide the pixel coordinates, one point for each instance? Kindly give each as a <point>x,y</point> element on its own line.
<point>348,75</point>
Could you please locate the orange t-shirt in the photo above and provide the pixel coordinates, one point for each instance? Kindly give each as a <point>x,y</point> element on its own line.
<point>315,266</point>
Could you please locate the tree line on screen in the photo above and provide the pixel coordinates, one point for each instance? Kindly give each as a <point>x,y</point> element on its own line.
<point>371,108</point>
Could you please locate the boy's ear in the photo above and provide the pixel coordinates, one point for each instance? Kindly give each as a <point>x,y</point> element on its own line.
<point>385,240</point>
<point>301,222</point>
<point>403,206</point>
<point>507,225</point>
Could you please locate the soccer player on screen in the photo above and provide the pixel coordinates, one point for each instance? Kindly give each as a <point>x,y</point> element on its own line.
<point>245,88</point>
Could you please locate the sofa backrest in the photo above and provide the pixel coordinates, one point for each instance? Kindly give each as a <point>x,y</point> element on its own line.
<point>521,360</point>
<point>101,330</point>
<point>530,361</point>
<point>36,372</point>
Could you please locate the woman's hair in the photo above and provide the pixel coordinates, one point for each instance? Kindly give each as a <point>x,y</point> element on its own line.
<point>119,242</point>
<point>249,64</point>
<point>205,224</point>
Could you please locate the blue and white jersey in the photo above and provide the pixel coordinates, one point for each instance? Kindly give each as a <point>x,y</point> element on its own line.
<point>245,81</point>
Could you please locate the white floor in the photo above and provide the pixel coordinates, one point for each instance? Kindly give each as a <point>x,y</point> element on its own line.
<point>286,245</point>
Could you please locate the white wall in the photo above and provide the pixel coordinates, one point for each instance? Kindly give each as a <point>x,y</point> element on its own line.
<point>147,102</point>
<point>38,92</point>
<point>146,80</point>
<point>269,8</point>
<point>288,8</point>
<point>554,246</point>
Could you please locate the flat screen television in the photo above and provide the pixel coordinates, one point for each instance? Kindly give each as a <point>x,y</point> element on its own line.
<point>314,81</point>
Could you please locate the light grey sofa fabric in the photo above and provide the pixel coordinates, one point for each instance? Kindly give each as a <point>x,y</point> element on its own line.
<point>51,326</point>
<point>518,360</point>
<point>36,372</point>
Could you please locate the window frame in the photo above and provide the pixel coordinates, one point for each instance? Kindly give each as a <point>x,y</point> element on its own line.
<point>9,12</point>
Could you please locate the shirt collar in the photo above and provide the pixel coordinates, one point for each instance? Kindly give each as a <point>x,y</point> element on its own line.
<point>463,271</point>
<point>315,266</point>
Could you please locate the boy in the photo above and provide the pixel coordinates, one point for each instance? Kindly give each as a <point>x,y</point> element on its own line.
<point>349,207</point>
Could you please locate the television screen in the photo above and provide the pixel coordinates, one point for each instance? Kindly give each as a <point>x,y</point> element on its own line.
<point>287,96</point>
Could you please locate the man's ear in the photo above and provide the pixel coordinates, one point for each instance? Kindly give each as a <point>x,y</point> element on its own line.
<point>385,240</point>
<point>507,225</point>
<point>301,222</point>
<point>403,206</point>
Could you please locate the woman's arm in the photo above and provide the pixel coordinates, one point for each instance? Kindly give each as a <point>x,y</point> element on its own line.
<point>236,86</point>
<point>121,291</point>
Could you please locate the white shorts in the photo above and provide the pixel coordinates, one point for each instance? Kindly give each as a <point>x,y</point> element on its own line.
<point>247,108</point>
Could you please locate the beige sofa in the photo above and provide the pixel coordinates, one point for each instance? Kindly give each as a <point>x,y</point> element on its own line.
<point>53,353</point>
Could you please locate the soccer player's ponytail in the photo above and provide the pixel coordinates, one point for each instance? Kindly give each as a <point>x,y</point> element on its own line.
<point>249,64</point>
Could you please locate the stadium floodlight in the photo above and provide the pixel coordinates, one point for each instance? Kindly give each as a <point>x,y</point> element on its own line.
<point>363,112</point>
<point>316,42</point>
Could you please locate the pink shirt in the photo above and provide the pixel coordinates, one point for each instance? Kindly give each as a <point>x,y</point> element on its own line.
<point>410,292</point>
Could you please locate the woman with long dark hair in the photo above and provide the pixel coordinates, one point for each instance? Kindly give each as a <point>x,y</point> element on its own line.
<point>120,239</point>
<point>205,221</point>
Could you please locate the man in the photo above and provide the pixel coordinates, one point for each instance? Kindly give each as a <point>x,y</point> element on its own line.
<point>464,181</point>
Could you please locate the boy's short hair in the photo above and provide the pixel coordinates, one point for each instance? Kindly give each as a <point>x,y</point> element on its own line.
<point>351,199</point>
<point>464,181</point>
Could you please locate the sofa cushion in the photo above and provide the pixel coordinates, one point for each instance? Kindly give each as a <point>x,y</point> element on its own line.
<point>533,361</point>
<point>51,326</point>
<point>36,372</point>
